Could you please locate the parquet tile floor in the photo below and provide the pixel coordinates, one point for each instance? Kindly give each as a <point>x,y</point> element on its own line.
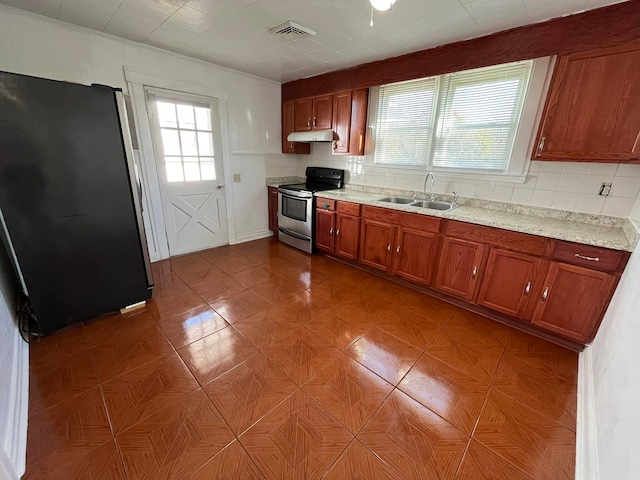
<point>257,361</point>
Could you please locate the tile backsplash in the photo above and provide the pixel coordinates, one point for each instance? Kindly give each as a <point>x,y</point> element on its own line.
<point>564,185</point>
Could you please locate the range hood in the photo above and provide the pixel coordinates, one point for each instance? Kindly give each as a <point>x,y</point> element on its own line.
<point>314,136</point>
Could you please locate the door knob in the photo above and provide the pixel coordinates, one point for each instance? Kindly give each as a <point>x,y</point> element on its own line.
<point>221,186</point>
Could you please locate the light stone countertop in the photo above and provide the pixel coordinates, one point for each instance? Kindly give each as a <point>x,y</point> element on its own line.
<point>558,224</point>
<point>277,181</point>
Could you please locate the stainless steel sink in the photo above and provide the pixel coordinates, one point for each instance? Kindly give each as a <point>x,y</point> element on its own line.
<point>400,200</point>
<point>433,205</point>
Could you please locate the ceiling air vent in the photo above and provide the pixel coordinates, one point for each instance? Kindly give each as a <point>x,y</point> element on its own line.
<point>292,31</point>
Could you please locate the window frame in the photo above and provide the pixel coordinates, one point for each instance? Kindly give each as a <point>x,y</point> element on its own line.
<point>518,163</point>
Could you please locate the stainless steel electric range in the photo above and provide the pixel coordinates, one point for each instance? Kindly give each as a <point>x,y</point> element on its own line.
<point>296,204</point>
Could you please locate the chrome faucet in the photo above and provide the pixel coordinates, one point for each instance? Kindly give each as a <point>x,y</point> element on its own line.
<point>424,187</point>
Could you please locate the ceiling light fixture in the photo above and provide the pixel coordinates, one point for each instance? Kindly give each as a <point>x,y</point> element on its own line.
<point>381,6</point>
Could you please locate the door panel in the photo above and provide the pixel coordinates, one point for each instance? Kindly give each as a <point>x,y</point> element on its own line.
<point>302,114</point>
<point>574,302</point>
<point>186,135</point>
<point>416,255</point>
<point>375,244</point>
<point>459,267</point>
<point>347,236</point>
<point>325,225</point>
<point>322,112</point>
<point>508,282</point>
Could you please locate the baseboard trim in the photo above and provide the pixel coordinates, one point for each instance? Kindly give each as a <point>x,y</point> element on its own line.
<point>586,443</point>
<point>257,235</point>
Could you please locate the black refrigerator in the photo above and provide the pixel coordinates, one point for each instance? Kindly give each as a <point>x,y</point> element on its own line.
<point>69,199</point>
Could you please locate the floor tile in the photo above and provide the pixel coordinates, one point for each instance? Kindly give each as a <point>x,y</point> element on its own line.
<point>277,290</point>
<point>232,463</point>
<point>65,437</point>
<point>254,276</point>
<point>413,441</point>
<point>233,263</point>
<point>146,390</point>
<point>384,354</point>
<point>455,396</point>
<point>480,463</point>
<point>531,441</point>
<point>112,327</point>
<point>248,392</point>
<point>535,387</point>
<point>266,326</point>
<point>282,267</point>
<point>307,278</point>
<point>174,304</point>
<point>540,353</point>
<point>188,327</point>
<point>240,305</point>
<point>477,361</point>
<point>59,380</point>
<point>164,285</point>
<point>388,292</point>
<point>334,291</point>
<point>187,262</point>
<point>213,255</point>
<point>473,329</point>
<point>213,290</point>
<point>358,463</point>
<point>349,391</point>
<point>303,305</point>
<point>296,441</point>
<point>416,330</point>
<point>432,308</point>
<point>363,302</point>
<point>55,347</point>
<point>262,245</point>
<point>356,278</point>
<point>216,354</point>
<point>121,355</point>
<point>204,273</point>
<point>176,441</point>
<point>300,353</point>
<point>339,326</point>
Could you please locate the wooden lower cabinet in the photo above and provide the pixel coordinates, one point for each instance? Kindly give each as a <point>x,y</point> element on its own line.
<point>416,254</point>
<point>573,301</point>
<point>375,244</point>
<point>272,202</point>
<point>509,281</point>
<point>347,237</point>
<point>459,268</point>
<point>325,226</point>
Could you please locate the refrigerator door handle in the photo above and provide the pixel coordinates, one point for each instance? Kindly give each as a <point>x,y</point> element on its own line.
<point>136,191</point>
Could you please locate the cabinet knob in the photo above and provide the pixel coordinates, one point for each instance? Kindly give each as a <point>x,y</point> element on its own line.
<point>388,248</point>
<point>527,289</point>
<point>474,273</point>
<point>331,231</point>
<point>545,295</point>
<point>314,122</point>
<point>541,145</point>
<point>337,232</point>
<point>398,250</point>
<point>325,206</point>
<point>309,122</point>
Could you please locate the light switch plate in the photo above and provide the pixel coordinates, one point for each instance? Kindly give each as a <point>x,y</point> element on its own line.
<point>236,178</point>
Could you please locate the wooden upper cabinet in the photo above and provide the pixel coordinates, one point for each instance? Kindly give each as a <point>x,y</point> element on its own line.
<point>592,110</point>
<point>509,282</point>
<point>313,113</point>
<point>573,301</point>
<point>415,255</point>
<point>342,121</point>
<point>288,127</point>
<point>459,267</point>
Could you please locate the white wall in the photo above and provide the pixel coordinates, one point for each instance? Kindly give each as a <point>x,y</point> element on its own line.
<point>14,371</point>
<point>42,47</point>
<point>614,383</point>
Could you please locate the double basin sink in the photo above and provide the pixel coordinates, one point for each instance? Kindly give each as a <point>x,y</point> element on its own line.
<point>429,204</point>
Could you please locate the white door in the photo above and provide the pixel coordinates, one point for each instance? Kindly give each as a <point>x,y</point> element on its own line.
<point>186,135</point>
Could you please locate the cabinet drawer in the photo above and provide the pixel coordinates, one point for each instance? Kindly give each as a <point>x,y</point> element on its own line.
<point>325,204</point>
<point>591,257</point>
<point>521,242</point>
<point>348,208</point>
<point>419,222</point>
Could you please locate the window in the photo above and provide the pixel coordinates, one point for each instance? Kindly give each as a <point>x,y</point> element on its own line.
<point>465,121</point>
<point>187,140</point>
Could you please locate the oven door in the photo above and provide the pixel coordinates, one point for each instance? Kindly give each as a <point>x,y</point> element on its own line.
<point>295,212</point>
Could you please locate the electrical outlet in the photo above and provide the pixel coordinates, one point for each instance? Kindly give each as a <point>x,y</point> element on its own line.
<point>236,178</point>
<point>605,189</point>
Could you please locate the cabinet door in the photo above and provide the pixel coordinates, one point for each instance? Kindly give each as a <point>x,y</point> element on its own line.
<point>591,112</point>
<point>287,126</point>
<point>573,301</point>
<point>375,244</point>
<point>359,103</point>
<point>322,112</point>
<point>415,255</point>
<point>325,227</point>
<point>342,122</point>
<point>347,236</point>
<point>508,281</point>
<point>273,209</point>
<point>459,267</point>
<point>303,114</point>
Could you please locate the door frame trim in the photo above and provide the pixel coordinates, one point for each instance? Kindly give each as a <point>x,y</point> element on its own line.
<point>137,80</point>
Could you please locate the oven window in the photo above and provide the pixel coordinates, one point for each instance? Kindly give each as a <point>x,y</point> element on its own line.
<point>294,208</point>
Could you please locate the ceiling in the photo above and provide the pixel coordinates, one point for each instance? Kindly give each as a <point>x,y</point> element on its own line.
<point>235,33</point>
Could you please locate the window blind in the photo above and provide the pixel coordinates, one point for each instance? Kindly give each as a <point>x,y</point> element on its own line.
<point>479,115</point>
<point>405,121</point>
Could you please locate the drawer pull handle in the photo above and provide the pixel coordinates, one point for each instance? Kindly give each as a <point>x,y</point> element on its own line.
<point>474,273</point>
<point>545,295</point>
<point>527,289</point>
<point>398,250</point>
<point>591,259</point>
<point>388,248</point>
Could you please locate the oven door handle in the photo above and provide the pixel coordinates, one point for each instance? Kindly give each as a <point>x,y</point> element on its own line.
<point>293,234</point>
<point>295,195</point>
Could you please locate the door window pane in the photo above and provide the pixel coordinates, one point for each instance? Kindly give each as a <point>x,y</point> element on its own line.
<point>170,142</point>
<point>203,118</point>
<point>174,169</point>
<point>191,169</point>
<point>205,143</point>
<point>189,144</point>
<point>185,117</point>
<point>167,114</point>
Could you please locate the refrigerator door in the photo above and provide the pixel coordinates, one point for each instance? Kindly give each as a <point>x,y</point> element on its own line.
<point>68,201</point>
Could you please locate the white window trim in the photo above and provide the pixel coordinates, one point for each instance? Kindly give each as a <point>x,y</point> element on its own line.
<point>522,148</point>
